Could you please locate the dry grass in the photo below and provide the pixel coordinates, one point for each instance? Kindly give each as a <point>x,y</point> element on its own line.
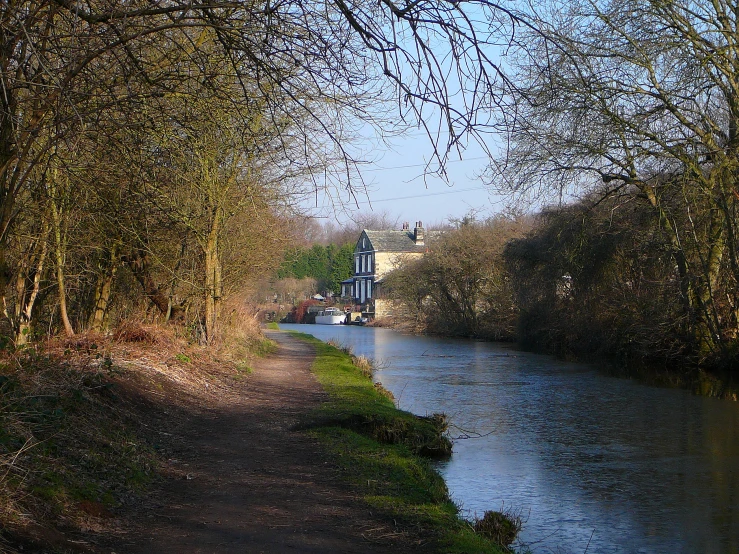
<point>130,331</point>
<point>346,349</point>
<point>67,450</point>
<point>500,527</point>
<point>73,442</point>
<point>241,335</point>
<point>363,364</point>
<point>385,392</point>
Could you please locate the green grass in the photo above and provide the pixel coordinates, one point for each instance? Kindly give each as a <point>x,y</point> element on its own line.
<point>80,446</point>
<point>272,325</point>
<point>262,347</point>
<point>242,370</point>
<point>378,448</point>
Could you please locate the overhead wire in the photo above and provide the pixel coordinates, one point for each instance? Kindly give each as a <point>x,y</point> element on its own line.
<point>422,195</point>
<point>421,165</point>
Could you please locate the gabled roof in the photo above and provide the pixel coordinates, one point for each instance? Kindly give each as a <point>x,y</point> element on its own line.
<point>393,241</point>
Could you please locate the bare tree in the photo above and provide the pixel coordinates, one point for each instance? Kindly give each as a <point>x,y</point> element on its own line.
<point>462,286</point>
<point>335,58</point>
<point>321,70</point>
<point>639,95</point>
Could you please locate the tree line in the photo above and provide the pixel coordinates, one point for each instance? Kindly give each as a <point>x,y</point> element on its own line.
<point>328,265</point>
<point>631,108</point>
<point>592,278</point>
<point>151,152</point>
<point>634,105</point>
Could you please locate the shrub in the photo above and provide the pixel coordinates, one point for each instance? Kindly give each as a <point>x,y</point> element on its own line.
<point>500,527</point>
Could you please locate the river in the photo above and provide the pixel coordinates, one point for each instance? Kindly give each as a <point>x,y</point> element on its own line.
<point>593,463</point>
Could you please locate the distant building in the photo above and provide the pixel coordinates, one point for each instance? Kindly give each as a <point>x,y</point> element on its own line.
<point>347,286</point>
<point>378,253</point>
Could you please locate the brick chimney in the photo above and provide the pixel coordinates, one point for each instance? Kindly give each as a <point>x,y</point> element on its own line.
<point>418,233</point>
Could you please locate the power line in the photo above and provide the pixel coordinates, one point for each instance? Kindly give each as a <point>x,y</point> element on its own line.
<point>421,195</point>
<point>422,165</point>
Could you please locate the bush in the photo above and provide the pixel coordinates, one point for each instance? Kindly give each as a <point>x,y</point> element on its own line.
<point>500,527</point>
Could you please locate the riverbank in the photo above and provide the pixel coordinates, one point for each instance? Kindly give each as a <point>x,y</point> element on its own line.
<point>382,452</point>
<point>686,376</point>
<point>592,462</point>
<point>148,444</point>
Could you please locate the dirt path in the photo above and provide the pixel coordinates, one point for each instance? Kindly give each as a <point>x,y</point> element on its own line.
<point>240,480</point>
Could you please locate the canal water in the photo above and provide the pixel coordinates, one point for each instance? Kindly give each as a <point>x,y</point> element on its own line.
<point>593,463</point>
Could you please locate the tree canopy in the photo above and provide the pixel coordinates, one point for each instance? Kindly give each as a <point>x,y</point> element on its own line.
<point>104,103</point>
<point>638,96</point>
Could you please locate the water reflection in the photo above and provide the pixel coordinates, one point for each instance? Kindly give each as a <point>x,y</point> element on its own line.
<point>594,462</point>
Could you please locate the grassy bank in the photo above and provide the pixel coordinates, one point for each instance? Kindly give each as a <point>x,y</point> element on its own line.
<point>71,449</point>
<point>380,448</point>
<point>83,422</point>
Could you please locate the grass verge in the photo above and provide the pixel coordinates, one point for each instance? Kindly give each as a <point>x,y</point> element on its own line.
<point>69,449</point>
<point>84,421</point>
<point>379,448</point>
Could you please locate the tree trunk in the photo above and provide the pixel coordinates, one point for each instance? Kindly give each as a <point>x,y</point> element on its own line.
<point>213,283</point>
<point>173,283</point>
<point>139,263</point>
<point>60,244</point>
<point>708,330</point>
<point>103,288</point>
<point>27,299</point>
<point>698,280</point>
<point>7,196</point>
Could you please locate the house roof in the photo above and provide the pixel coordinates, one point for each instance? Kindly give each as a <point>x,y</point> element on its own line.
<point>393,241</point>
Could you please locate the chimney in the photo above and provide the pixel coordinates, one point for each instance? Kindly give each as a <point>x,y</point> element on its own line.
<point>406,226</point>
<point>418,233</point>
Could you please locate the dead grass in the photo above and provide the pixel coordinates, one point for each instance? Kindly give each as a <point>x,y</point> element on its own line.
<point>363,364</point>
<point>131,331</point>
<point>73,446</point>
<point>500,527</point>
<point>346,349</point>
<point>68,449</point>
<point>241,337</point>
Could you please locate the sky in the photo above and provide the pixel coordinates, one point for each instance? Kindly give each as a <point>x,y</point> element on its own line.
<point>396,185</point>
<point>396,180</point>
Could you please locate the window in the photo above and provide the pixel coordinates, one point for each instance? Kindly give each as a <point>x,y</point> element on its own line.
<point>369,288</point>
<point>356,264</point>
<point>369,263</point>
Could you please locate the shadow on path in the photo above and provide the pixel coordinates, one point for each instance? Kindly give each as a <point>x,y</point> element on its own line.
<point>240,480</point>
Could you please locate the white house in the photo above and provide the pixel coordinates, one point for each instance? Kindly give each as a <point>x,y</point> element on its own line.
<point>377,253</point>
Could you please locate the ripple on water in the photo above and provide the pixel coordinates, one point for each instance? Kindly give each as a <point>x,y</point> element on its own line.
<point>591,461</point>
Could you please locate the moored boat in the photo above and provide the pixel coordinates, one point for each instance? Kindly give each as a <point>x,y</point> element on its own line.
<point>330,316</point>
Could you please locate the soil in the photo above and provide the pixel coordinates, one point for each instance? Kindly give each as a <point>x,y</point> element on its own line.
<point>238,478</point>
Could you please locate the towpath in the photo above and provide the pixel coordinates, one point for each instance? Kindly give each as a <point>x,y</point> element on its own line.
<point>239,479</point>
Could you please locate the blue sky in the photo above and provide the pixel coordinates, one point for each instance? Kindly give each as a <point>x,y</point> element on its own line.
<point>395,180</point>
<point>396,185</point>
